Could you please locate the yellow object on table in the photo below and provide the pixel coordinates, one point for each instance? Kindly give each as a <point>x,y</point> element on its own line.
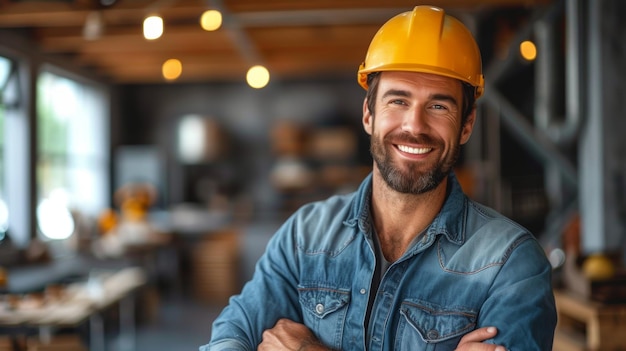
<point>598,267</point>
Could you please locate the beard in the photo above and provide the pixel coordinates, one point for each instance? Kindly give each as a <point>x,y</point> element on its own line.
<point>409,179</point>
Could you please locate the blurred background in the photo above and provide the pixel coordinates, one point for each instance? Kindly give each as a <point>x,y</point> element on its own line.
<point>150,148</point>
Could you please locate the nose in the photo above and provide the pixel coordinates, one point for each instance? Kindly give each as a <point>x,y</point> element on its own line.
<point>415,121</point>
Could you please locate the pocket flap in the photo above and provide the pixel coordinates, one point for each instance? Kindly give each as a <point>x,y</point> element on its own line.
<point>436,323</point>
<point>321,301</point>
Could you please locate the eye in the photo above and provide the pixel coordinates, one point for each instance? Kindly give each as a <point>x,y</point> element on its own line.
<point>397,102</point>
<point>439,107</point>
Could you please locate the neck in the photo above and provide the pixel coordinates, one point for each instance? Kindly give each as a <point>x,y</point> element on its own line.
<point>399,218</point>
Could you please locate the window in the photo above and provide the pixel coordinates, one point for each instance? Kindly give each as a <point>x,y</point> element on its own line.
<point>6,68</point>
<point>73,156</point>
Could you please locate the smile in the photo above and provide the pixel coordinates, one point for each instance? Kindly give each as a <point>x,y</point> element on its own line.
<point>414,150</point>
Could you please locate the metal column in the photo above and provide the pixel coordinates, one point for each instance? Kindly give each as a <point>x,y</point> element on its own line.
<point>602,147</point>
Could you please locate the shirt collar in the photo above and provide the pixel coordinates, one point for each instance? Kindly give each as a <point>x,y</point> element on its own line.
<point>450,222</point>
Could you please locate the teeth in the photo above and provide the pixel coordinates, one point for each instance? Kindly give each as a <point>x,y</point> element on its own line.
<point>414,150</point>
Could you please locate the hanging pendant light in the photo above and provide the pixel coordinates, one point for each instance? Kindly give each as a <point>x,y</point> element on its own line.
<point>152,27</point>
<point>172,69</point>
<point>211,20</point>
<point>258,76</point>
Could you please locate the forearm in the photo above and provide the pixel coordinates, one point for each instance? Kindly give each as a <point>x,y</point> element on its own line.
<point>288,335</point>
<point>226,345</point>
<point>313,345</point>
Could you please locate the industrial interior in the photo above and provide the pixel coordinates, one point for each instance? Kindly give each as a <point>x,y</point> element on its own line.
<point>150,148</point>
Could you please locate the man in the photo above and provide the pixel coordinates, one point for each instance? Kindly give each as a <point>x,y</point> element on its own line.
<point>407,262</point>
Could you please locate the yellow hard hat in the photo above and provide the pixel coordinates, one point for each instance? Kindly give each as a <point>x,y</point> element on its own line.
<point>425,40</point>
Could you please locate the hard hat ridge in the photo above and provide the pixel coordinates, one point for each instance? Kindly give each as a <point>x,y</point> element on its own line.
<point>425,40</point>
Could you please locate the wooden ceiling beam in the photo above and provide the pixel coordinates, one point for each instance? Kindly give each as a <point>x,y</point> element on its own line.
<point>176,38</point>
<point>292,38</point>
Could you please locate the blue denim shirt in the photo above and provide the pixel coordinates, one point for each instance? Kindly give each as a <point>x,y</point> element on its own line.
<point>472,268</point>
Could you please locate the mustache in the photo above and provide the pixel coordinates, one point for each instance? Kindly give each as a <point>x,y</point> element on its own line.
<point>404,138</point>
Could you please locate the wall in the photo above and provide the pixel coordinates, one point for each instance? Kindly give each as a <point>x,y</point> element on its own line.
<point>149,115</point>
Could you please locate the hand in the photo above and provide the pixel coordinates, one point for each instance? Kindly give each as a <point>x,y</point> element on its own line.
<point>291,336</point>
<point>474,341</point>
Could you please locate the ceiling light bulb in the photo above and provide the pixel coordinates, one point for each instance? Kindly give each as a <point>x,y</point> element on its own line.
<point>258,77</point>
<point>528,50</point>
<point>211,20</point>
<point>152,27</point>
<point>172,69</point>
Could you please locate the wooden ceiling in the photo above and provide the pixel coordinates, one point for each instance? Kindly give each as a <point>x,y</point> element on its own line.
<point>294,39</point>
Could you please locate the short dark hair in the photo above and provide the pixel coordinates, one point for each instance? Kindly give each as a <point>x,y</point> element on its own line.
<point>469,97</point>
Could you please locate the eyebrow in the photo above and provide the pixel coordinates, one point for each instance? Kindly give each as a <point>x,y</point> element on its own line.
<point>404,93</point>
<point>444,97</point>
<point>396,92</point>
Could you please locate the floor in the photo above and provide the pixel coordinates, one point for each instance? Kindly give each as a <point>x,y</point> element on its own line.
<point>179,324</point>
<point>182,325</point>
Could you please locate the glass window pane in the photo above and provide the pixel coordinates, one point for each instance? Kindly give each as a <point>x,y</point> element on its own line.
<point>72,143</point>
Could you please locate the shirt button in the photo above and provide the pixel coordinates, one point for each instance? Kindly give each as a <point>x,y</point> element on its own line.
<point>432,334</point>
<point>362,291</point>
<point>319,308</point>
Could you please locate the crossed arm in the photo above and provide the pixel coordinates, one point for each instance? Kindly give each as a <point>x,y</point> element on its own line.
<point>291,336</point>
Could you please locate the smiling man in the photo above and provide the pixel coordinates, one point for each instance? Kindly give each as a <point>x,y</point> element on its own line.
<point>408,261</point>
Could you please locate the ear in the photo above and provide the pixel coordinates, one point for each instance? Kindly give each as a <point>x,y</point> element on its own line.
<point>368,120</point>
<point>466,130</point>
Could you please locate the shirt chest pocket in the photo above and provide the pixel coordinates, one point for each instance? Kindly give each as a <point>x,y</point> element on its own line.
<point>324,312</point>
<point>427,326</point>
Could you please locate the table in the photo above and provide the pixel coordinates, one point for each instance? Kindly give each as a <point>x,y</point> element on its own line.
<point>603,325</point>
<point>82,301</point>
